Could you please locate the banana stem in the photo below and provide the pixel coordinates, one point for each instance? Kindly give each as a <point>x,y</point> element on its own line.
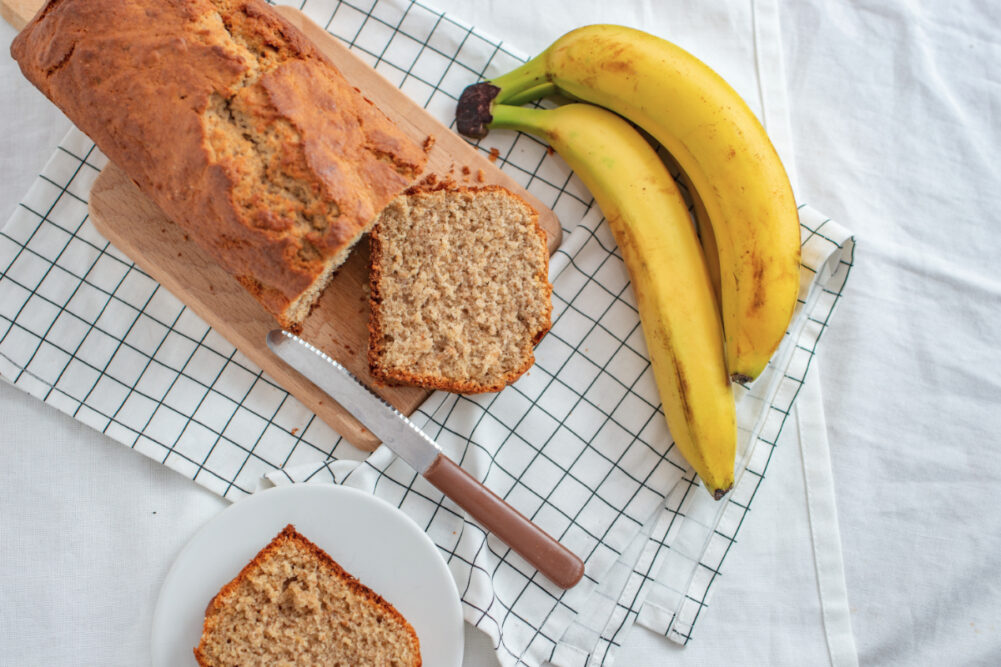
<point>516,84</point>
<point>519,86</point>
<point>530,94</point>
<point>523,119</point>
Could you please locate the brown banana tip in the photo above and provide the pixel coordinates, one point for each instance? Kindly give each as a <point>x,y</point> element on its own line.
<point>719,493</point>
<point>472,114</point>
<point>741,378</point>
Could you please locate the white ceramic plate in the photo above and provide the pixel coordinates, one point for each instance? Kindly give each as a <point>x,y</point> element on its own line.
<point>370,538</point>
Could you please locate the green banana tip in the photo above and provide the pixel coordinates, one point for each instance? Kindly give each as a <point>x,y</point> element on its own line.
<point>472,114</point>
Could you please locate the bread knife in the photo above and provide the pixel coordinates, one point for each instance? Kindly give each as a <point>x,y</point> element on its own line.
<point>423,454</point>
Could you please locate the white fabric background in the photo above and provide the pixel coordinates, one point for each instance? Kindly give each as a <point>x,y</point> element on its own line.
<point>894,116</point>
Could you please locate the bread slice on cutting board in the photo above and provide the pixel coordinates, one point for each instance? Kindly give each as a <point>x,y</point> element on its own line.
<point>460,293</point>
<point>294,605</point>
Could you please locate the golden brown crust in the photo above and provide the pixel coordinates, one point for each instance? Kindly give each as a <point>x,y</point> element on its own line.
<point>376,345</point>
<point>233,123</point>
<point>290,534</point>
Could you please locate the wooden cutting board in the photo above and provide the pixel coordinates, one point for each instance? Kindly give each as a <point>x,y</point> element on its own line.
<point>338,325</point>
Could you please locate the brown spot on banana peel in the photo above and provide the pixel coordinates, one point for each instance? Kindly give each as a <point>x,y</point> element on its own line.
<point>758,267</point>
<point>618,66</point>
<point>682,388</point>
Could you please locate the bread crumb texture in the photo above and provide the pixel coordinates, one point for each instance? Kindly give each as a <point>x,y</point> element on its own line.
<point>460,289</point>
<point>294,605</point>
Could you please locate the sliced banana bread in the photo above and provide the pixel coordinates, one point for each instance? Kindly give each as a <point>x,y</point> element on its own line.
<point>459,289</point>
<point>293,605</point>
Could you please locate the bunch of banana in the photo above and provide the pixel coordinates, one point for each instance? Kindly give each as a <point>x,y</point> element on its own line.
<point>716,140</point>
<point>653,229</point>
<point>746,271</point>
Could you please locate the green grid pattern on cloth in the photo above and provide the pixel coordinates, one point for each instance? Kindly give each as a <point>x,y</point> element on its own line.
<point>579,444</point>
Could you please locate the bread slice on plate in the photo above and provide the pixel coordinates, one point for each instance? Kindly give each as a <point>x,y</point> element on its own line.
<point>294,605</point>
<point>460,293</point>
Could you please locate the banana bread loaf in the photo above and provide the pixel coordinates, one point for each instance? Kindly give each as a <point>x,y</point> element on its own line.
<point>294,605</point>
<point>460,291</point>
<point>234,124</point>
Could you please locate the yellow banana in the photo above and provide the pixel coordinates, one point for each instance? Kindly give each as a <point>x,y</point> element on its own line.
<point>705,230</point>
<point>654,231</point>
<point>708,240</point>
<point>716,140</point>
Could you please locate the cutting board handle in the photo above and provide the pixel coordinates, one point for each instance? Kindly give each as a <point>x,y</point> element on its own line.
<point>19,12</point>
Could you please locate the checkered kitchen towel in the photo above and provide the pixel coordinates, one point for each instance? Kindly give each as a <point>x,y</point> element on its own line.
<point>579,443</point>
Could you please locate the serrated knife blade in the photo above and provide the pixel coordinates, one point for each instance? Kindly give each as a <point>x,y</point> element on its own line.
<point>424,455</point>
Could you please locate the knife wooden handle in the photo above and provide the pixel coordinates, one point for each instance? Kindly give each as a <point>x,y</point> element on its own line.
<point>535,545</point>
<point>19,12</point>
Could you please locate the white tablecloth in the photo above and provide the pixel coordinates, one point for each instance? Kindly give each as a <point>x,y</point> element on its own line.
<point>894,121</point>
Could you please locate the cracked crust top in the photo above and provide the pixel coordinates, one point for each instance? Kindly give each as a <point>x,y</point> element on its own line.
<point>233,123</point>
